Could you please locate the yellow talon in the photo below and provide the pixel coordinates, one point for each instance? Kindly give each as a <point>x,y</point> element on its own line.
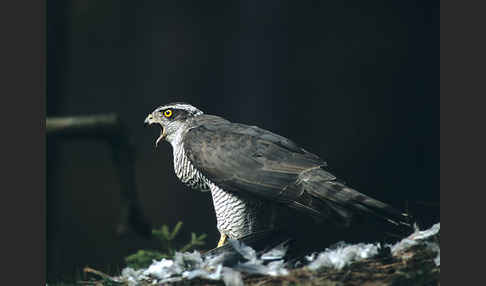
<point>222,240</point>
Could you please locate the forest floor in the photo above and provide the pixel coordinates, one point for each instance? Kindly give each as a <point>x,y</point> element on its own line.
<point>417,267</point>
<point>417,264</point>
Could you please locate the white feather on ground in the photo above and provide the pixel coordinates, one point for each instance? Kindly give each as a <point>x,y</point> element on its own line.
<point>191,265</point>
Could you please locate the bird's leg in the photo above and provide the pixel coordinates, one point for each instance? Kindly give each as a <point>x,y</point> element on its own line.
<point>222,240</point>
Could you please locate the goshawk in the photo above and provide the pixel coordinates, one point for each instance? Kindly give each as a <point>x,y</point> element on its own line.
<point>255,176</point>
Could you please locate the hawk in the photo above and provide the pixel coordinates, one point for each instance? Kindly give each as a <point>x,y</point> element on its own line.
<point>256,177</point>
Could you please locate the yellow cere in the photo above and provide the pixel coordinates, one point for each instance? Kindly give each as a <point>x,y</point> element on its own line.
<point>168,113</point>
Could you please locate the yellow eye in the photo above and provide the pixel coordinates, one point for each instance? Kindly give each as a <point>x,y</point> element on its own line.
<point>168,113</point>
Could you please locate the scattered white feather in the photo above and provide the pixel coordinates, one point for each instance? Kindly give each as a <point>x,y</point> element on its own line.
<point>192,265</point>
<point>343,254</point>
<point>247,252</point>
<point>131,276</point>
<point>275,253</point>
<point>419,237</point>
<point>414,239</point>
<point>256,265</point>
<point>434,246</point>
<point>232,277</point>
<point>162,269</point>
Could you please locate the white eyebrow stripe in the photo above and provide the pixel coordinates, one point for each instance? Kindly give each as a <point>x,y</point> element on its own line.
<point>184,106</point>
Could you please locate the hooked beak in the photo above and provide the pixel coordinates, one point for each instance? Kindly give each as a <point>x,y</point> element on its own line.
<point>150,120</point>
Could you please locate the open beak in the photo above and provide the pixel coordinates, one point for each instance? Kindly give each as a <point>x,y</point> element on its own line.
<point>150,120</point>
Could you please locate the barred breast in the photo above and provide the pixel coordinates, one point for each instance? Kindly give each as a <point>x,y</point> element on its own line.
<point>236,214</point>
<point>187,173</point>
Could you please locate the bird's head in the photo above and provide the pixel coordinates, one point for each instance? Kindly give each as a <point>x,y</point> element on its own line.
<point>172,118</point>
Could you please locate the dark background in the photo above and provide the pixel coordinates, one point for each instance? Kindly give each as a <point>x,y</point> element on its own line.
<point>352,81</point>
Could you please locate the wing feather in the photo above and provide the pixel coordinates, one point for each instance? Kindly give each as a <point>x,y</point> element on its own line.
<point>243,158</point>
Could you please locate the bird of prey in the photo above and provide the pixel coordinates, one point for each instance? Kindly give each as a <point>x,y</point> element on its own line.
<point>255,176</point>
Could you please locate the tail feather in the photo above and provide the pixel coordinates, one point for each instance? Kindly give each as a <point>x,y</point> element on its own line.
<point>335,200</point>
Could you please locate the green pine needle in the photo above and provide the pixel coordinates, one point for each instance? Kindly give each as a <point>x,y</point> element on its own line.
<point>143,258</point>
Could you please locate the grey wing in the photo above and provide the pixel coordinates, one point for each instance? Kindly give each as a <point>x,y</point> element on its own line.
<point>249,159</point>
